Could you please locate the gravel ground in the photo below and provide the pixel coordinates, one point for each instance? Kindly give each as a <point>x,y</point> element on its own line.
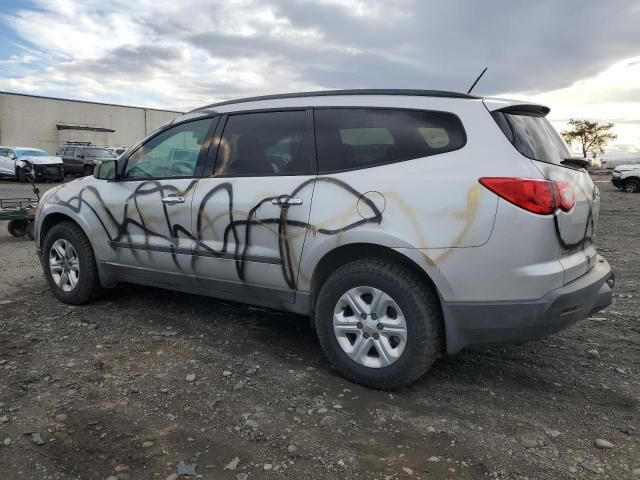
<point>131,386</point>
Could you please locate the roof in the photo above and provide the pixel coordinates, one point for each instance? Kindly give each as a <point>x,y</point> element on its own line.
<point>330,93</point>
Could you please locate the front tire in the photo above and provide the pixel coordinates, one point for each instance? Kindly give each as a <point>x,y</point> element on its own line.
<point>69,264</point>
<point>379,323</point>
<point>632,186</point>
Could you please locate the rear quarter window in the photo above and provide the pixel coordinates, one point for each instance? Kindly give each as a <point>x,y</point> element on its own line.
<point>351,138</point>
<point>533,136</point>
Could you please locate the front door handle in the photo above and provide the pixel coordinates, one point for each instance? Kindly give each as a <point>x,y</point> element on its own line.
<point>286,200</point>
<point>172,200</point>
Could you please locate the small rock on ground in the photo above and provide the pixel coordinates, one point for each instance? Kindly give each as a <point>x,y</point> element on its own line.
<point>602,443</point>
<point>328,421</point>
<point>61,418</point>
<point>190,377</point>
<point>529,443</point>
<point>147,444</point>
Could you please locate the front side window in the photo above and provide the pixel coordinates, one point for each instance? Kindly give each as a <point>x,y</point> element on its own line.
<point>348,138</point>
<point>172,153</point>
<point>267,143</point>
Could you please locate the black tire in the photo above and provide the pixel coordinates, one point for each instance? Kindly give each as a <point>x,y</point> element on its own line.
<point>17,228</point>
<point>419,305</point>
<point>88,287</point>
<point>88,170</point>
<point>632,186</point>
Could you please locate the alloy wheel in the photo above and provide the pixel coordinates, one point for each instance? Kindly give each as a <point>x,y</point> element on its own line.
<point>64,265</point>
<point>370,327</point>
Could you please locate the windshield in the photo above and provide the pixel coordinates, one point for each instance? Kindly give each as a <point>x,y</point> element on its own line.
<point>98,153</point>
<point>533,137</point>
<point>31,153</point>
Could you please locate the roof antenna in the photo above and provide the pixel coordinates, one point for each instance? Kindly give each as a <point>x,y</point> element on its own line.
<point>477,80</point>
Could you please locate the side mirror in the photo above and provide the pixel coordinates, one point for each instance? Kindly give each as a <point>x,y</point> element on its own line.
<point>106,170</point>
<point>12,156</point>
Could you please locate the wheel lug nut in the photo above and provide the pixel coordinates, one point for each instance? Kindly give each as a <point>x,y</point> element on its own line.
<point>376,336</point>
<point>363,316</point>
<point>380,326</point>
<point>365,335</point>
<point>359,325</point>
<point>374,316</point>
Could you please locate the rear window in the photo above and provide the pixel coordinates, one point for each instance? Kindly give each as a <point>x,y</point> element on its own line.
<point>533,136</point>
<point>349,138</point>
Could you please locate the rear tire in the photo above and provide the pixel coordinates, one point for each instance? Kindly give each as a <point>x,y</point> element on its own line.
<point>417,306</point>
<point>17,228</point>
<point>632,186</point>
<point>87,286</point>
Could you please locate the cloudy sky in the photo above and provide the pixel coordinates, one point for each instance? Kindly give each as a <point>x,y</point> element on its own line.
<point>581,58</point>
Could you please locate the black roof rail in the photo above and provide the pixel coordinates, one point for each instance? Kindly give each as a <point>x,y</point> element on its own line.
<point>329,93</point>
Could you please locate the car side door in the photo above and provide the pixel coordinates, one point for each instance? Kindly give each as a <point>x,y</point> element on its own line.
<point>7,166</point>
<point>251,211</point>
<point>147,210</point>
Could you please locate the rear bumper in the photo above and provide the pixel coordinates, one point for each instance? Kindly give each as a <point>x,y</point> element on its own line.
<point>505,322</point>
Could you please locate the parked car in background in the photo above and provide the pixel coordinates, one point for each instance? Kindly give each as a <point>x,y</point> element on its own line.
<point>340,205</point>
<point>82,159</point>
<point>627,177</point>
<point>45,166</point>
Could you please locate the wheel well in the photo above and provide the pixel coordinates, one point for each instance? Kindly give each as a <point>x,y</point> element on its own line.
<point>50,221</point>
<point>635,179</point>
<point>356,251</point>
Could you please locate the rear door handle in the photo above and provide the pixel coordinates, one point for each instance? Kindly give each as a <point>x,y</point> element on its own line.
<point>285,200</point>
<point>172,200</point>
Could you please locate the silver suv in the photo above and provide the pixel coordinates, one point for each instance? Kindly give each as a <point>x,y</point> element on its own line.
<point>403,222</point>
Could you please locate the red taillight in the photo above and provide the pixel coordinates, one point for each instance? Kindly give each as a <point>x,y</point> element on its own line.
<point>566,196</point>
<point>543,197</point>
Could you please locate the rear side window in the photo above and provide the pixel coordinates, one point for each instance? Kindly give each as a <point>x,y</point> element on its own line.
<point>267,143</point>
<point>533,136</point>
<point>350,138</point>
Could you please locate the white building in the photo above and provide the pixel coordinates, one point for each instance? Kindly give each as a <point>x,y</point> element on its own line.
<point>48,123</point>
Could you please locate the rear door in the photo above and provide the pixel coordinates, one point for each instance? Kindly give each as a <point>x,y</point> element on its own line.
<point>534,137</point>
<point>251,213</point>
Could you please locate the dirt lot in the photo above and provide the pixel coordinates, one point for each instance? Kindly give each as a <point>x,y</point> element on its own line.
<point>102,390</point>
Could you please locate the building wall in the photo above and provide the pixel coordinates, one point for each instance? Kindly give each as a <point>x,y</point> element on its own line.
<point>30,121</point>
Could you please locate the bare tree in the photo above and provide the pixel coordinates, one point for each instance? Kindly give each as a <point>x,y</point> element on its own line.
<point>593,136</point>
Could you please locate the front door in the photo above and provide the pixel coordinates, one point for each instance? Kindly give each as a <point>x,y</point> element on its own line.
<point>250,217</point>
<point>149,208</point>
<point>7,165</point>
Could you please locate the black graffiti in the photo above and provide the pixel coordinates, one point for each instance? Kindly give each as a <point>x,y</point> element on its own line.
<point>231,233</point>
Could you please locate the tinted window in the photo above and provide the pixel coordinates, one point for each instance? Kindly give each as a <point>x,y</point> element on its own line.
<point>77,152</point>
<point>173,153</point>
<point>262,144</point>
<point>4,152</point>
<point>533,136</point>
<point>359,138</point>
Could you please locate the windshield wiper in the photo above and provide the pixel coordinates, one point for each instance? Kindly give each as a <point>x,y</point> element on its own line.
<point>578,162</point>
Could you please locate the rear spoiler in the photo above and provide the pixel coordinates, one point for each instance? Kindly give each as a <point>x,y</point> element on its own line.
<point>516,107</point>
